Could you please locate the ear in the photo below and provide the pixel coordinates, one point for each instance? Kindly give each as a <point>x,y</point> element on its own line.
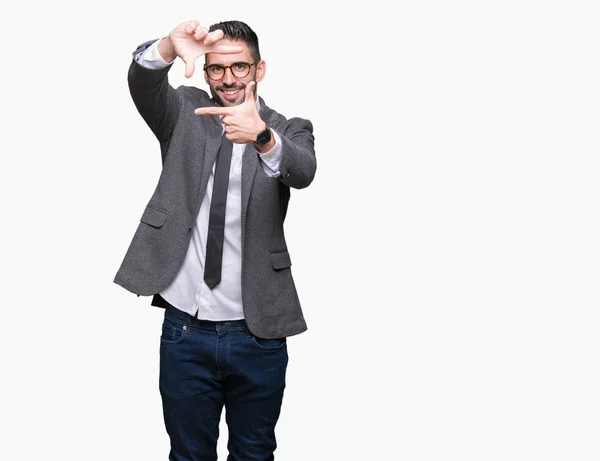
<point>261,70</point>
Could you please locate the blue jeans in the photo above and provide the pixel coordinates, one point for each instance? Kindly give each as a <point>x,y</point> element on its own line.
<point>205,366</point>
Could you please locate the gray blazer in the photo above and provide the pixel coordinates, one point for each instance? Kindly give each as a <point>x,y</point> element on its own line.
<point>189,145</point>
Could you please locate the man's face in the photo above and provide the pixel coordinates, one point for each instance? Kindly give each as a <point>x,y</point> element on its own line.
<point>230,90</point>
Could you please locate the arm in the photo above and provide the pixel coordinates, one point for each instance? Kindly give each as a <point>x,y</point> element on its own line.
<point>298,163</point>
<point>156,100</point>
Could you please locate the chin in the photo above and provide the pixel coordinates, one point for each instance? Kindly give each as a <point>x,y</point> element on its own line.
<point>226,103</point>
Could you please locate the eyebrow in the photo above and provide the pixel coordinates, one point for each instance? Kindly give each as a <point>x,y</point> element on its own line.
<point>233,63</point>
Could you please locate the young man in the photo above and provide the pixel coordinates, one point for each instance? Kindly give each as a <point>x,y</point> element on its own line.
<point>210,247</point>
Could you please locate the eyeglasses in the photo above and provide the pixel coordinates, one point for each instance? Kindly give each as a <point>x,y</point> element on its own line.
<point>238,69</point>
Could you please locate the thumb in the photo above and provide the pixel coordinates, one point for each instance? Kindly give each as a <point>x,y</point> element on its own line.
<point>250,92</point>
<point>190,67</point>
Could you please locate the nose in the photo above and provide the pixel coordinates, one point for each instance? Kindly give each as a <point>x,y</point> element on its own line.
<point>228,78</point>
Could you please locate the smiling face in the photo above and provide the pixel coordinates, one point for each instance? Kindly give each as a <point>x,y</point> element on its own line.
<point>230,90</point>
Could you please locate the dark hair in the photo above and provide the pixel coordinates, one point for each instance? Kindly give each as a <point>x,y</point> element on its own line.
<point>237,30</point>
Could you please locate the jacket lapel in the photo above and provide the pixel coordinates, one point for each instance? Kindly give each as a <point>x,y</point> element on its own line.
<point>250,163</point>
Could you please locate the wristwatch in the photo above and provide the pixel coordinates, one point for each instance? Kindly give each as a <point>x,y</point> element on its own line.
<point>264,137</point>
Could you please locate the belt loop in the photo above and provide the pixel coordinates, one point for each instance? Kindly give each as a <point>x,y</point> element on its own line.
<point>188,323</point>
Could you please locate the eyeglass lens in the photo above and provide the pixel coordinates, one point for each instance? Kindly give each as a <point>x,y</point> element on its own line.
<point>239,70</point>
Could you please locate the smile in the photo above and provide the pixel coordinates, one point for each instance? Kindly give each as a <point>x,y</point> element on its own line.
<point>230,95</point>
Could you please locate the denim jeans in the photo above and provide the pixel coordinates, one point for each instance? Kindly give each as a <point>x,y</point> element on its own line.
<point>205,366</point>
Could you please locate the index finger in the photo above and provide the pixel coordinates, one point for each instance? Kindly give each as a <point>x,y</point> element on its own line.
<point>213,111</point>
<point>213,37</point>
<point>225,49</point>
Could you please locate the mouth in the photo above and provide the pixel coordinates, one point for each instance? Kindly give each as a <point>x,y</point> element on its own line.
<point>230,94</point>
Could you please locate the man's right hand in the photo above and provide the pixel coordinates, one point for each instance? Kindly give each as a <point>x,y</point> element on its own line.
<point>189,40</point>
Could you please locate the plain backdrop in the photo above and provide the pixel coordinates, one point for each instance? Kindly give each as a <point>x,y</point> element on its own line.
<point>446,255</point>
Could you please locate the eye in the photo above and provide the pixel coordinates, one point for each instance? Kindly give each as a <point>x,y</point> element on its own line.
<point>240,66</point>
<point>215,68</point>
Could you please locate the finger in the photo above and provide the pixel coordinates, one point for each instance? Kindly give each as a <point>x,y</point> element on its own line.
<point>229,129</point>
<point>201,32</point>
<point>225,49</point>
<point>213,111</point>
<point>191,26</point>
<point>227,120</point>
<point>213,37</point>
<point>250,92</point>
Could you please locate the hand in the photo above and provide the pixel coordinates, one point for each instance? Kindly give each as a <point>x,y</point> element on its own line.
<point>190,40</point>
<point>242,122</point>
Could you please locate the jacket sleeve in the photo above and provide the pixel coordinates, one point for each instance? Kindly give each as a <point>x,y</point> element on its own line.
<point>155,99</point>
<point>298,162</point>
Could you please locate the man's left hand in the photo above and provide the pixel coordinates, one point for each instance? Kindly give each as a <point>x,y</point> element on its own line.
<point>242,122</point>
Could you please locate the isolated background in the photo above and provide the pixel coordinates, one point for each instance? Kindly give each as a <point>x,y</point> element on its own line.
<point>446,255</point>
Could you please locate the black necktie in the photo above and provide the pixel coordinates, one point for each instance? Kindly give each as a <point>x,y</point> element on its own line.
<point>216,221</point>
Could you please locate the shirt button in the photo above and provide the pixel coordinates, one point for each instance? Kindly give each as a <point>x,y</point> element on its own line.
<point>185,327</point>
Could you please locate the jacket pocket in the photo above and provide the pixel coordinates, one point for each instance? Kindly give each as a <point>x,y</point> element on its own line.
<point>154,217</point>
<point>280,260</point>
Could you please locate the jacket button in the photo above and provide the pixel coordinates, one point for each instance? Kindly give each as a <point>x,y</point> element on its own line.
<point>287,175</point>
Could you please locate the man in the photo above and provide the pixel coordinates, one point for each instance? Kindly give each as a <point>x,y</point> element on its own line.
<point>210,247</point>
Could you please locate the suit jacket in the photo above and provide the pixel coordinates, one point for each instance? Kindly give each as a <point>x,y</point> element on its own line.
<point>189,146</point>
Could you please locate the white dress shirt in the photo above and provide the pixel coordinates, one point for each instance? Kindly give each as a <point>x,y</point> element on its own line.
<point>188,291</point>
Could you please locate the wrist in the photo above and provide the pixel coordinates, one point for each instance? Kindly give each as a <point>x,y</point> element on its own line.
<point>262,126</point>
<point>166,49</point>
<point>264,139</point>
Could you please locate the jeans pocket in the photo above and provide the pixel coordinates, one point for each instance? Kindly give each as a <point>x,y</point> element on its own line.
<point>268,344</point>
<point>172,331</point>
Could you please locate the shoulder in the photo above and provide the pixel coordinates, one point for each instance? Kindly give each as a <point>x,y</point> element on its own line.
<point>282,123</point>
<point>297,123</point>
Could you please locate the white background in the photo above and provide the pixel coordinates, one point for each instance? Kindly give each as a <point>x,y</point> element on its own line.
<point>446,255</point>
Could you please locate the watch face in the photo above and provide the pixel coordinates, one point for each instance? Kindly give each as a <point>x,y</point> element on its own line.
<point>263,137</point>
